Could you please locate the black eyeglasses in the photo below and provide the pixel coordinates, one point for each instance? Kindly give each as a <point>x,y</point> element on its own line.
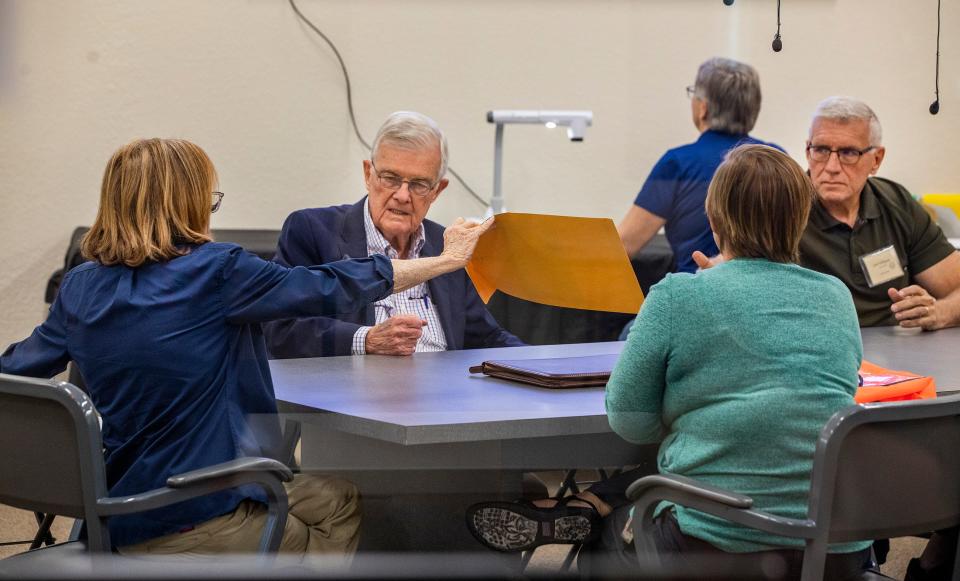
<point>392,182</point>
<point>846,155</point>
<point>691,92</point>
<point>216,199</point>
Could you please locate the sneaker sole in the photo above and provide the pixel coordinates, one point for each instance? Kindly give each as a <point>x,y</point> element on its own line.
<point>505,530</point>
<point>508,530</point>
<point>571,529</point>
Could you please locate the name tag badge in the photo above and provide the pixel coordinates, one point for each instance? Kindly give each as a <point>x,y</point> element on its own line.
<point>881,266</point>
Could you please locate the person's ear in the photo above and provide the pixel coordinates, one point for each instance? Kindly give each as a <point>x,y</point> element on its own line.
<point>441,185</point>
<point>367,172</point>
<point>878,154</point>
<point>701,114</point>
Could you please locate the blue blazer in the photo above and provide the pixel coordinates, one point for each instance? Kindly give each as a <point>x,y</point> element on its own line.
<point>321,235</point>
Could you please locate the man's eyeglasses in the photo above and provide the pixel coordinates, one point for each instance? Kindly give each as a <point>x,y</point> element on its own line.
<point>392,182</point>
<point>846,155</point>
<point>691,92</point>
<point>216,198</point>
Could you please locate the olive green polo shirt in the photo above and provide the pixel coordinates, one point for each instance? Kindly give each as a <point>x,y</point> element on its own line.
<point>888,216</point>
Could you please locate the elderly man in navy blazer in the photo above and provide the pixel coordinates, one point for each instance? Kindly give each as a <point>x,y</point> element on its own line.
<point>403,176</point>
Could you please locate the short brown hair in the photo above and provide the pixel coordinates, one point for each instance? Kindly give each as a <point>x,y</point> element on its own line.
<point>758,203</point>
<point>155,198</point>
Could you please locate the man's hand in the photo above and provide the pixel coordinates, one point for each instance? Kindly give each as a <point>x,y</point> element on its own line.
<point>915,307</point>
<point>396,336</point>
<point>460,239</point>
<point>703,263</point>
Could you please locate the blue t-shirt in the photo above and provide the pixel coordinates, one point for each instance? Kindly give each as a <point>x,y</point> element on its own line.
<point>174,360</point>
<point>677,189</point>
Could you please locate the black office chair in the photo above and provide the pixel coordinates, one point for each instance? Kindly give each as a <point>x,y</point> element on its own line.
<point>53,463</point>
<point>879,471</point>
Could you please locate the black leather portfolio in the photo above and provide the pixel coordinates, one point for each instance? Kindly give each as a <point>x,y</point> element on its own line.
<point>556,373</point>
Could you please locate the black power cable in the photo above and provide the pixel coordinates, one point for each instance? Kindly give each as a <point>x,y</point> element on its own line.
<point>935,106</point>
<point>353,118</point>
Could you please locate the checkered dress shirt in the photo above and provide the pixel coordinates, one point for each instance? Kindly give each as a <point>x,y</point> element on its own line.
<point>413,301</point>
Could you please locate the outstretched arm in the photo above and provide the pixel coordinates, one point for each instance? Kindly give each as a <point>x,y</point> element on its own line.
<point>459,242</point>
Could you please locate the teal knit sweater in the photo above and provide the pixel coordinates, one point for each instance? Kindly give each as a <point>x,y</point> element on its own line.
<point>740,367</point>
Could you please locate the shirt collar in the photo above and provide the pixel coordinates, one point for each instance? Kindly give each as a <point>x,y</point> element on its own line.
<point>378,244</point>
<point>869,206</point>
<point>710,134</point>
<point>869,210</point>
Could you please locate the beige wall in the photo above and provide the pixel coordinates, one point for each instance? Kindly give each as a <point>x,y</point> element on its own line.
<point>248,82</point>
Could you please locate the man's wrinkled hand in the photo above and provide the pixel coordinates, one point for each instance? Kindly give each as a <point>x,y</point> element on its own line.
<point>460,239</point>
<point>396,336</point>
<point>913,306</point>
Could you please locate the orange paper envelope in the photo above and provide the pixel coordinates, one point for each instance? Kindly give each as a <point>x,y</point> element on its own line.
<point>561,261</point>
<point>892,385</point>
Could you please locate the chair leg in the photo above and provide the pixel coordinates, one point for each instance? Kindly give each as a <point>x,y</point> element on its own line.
<point>956,561</point>
<point>568,484</point>
<point>76,531</point>
<point>291,436</point>
<point>43,536</point>
<point>814,559</point>
<point>525,560</point>
<point>571,555</point>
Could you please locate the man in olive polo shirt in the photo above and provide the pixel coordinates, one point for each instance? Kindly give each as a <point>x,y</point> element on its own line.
<point>869,232</point>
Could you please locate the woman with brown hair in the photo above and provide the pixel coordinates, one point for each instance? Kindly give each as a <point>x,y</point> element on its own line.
<point>164,326</point>
<point>737,369</point>
<point>734,370</point>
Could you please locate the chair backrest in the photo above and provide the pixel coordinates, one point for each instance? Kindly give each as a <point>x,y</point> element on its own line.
<point>888,469</point>
<point>51,448</point>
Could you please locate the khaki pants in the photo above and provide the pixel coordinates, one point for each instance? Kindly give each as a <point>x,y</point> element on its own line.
<point>323,518</point>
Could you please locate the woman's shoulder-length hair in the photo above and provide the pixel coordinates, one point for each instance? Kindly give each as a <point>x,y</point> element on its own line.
<point>758,203</point>
<point>155,200</point>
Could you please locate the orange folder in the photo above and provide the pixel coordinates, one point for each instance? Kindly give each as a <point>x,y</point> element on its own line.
<point>561,261</point>
<point>893,385</point>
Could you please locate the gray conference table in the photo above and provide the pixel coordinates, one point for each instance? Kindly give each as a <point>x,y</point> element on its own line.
<point>423,437</point>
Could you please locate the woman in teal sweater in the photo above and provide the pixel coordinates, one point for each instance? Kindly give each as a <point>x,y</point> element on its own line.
<point>738,368</point>
<point>735,370</point>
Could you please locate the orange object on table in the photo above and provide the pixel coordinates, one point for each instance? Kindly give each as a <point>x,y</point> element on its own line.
<point>889,385</point>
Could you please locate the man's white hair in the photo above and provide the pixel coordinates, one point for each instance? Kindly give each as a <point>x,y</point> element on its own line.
<point>846,109</point>
<point>415,131</point>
